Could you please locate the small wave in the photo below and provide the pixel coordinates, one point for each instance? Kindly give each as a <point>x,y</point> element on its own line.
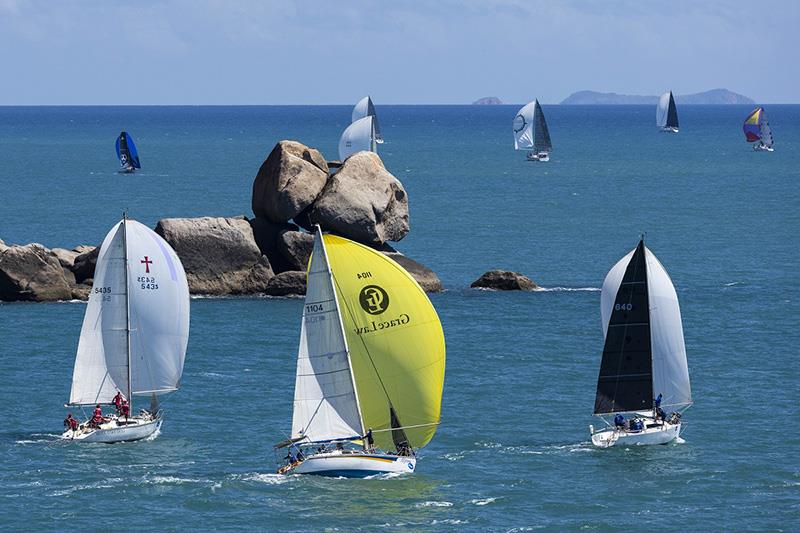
<point>213,375</point>
<point>269,479</point>
<point>172,480</point>
<point>153,436</point>
<point>450,522</point>
<point>105,484</point>
<point>733,283</point>
<point>434,504</point>
<point>485,501</point>
<point>387,475</point>
<point>567,289</point>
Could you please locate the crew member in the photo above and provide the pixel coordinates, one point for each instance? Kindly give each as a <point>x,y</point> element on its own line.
<point>370,440</point>
<point>70,423</point>
<point>97,416</point>
<point>117,402</point>
<point>619,421</point>
<point>659,413</point>
<point>125,409</point>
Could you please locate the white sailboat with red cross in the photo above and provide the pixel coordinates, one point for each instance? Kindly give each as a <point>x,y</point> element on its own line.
<point>134,335</point>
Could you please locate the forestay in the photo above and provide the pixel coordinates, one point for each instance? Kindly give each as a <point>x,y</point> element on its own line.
<point>356,137</point>
<point>325,403</point>
<point>396,343</point>
<point>159,312</point>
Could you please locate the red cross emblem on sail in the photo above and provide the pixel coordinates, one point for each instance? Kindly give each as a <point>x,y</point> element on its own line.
<point>146,262</point>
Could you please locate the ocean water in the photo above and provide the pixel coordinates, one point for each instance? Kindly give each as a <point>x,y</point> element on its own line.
<point>512,452</point>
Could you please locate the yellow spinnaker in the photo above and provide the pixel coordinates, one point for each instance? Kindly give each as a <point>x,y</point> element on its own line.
<point>395,339</point>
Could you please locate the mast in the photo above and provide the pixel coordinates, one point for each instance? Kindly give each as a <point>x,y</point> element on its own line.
<point>127,305</point>
<point>341,327</point>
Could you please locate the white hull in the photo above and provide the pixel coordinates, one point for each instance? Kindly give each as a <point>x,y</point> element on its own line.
<point>339,464</point>
<point>117,430</point>
<point>669,130</point>
<point>659,434</point>
<point>762,148</point>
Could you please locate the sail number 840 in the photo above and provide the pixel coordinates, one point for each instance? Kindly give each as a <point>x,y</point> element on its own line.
<point>623,307</point>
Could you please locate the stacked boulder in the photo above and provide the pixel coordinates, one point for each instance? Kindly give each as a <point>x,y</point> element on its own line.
<point>293,192</point>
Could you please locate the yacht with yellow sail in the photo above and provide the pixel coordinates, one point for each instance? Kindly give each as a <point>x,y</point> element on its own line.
<point>370,366</point>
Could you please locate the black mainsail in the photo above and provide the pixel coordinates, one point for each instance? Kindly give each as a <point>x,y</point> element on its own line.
<point>625,382</point>
<point>672,113</point>
<point>541,135</point>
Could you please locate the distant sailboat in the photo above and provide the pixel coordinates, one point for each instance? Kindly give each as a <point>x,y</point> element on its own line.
<point>667,113</point>
<point>756,129</point>
<point>363,134</point>
<point>134,333</point>
<point>370,366</point>
<point>644,364</point>
<point>531,133</point>
<point>127,154</point>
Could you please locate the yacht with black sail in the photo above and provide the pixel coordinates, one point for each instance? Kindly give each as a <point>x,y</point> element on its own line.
<point>643,371</point>
<point>531,132</point>
<point>667,113</point>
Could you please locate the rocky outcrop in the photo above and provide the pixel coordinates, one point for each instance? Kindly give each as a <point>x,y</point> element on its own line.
<point>220,255</point>
<point>504,280</point>
<point>66,257</point>
<point>363,202</point>
<point>3,246</point>
<point>288,181</point>
<point>290,283</point>
<point>426,277</point>
<point>266,234</point>
<point>32,273</point>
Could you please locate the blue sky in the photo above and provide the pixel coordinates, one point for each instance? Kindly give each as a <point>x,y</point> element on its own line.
<point>403,52</point>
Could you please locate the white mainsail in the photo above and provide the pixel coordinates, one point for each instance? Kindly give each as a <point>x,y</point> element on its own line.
<point>670,368</point>
<point>523,127</point>
<point>150,298</point>
<point>325,402</point>
<point>357,137</point>
<point>661,110</point>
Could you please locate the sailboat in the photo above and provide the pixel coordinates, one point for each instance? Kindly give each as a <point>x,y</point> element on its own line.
<point>127,154</point>
<point>363,133</point>
<point>370,366</point>
<point>644,368</point>
<point>134,333</point>
<point>667,113</point>
<point>756,129</point>
<point>531,133</point>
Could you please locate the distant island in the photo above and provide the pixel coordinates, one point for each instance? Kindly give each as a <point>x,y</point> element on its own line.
<point>714,96</point>
<point>488,100</point>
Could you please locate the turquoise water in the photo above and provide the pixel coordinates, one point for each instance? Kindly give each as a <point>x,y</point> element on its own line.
<point>512,451</point>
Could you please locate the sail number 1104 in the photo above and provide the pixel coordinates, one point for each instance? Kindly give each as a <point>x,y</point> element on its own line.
<point>364,275</point>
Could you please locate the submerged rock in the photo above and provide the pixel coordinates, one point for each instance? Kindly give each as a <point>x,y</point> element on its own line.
<point>289,283</point>
<point>363,202</point>
<point>288,181</point>
<point>504,280</point>
<point>220,255</point>
<point>32,273</point>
